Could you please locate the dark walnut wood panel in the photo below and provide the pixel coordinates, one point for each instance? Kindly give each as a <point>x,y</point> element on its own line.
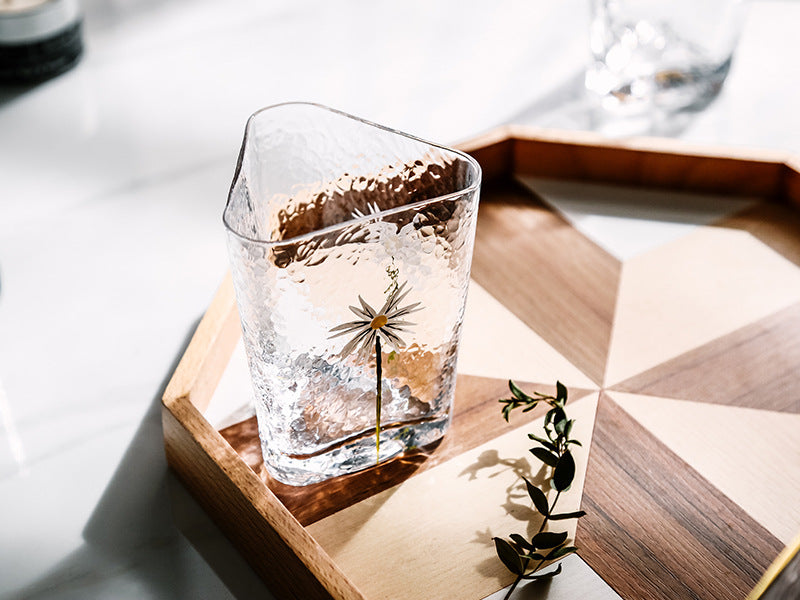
<point>476,420</point>
<point>757,366</point>
<point>561,284</point>
<point>655,528</point>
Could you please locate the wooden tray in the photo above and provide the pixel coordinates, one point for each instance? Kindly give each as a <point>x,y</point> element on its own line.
<point>677,334</point>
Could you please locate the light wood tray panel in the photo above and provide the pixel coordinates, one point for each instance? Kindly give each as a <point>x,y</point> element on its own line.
<point>272,526</point>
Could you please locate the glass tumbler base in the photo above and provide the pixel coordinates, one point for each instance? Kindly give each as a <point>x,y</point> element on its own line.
<point>356,455</point>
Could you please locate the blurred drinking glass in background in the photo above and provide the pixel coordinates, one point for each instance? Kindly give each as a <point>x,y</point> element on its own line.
<point>661,56</point>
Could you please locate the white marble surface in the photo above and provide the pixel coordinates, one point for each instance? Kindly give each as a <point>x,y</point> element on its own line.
<point>112,183</point>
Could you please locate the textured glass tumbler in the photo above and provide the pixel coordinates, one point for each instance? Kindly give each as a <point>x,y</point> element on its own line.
<point>656,55</point>
<point>350,247</point>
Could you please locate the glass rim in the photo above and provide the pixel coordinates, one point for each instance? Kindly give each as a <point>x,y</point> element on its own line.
<point>473,187</point>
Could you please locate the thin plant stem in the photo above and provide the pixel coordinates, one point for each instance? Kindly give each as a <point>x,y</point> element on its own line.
<point>378,375</point>
<point>513,587</point>
<point>527,561</point>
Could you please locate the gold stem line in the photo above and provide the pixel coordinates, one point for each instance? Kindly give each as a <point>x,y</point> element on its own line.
<point>378,375</point>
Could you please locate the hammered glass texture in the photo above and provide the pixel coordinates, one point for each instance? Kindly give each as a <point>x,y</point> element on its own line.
<point>323,209</point>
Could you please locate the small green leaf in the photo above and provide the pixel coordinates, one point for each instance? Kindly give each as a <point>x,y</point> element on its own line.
<point>548,458</point>
<point>561,393</point>
<point>548,539</point>
<point>564,473</point>
<point>538,498</point>
<point>561,552</point>
<point>535,556</point>
<point>521,541</point>
<point>518,393</point>
<point>509,556</point>
<point>559,420</point>
<point>547,444</point>
<point>517,552</point>
<point>563,516</point>
<point>547,575</point>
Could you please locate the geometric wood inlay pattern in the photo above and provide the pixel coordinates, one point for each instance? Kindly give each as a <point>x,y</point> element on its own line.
<point>724,444</point>
<point>702,326</point>
<point>655,528</point>
<point>757,366</point>
<point>681,295</point>
<point>557,281</point>
<point>494,340</point>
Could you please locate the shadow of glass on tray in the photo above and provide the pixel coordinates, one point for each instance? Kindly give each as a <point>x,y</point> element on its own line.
<point>313,502</point>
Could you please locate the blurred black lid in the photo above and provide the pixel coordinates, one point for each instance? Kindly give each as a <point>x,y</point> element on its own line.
<point>38,39</point>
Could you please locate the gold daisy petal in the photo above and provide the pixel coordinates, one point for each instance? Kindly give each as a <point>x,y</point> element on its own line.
<point>367,308</point>
<point>392,338</point>
<point>366,346</point>
<point>393,299</point>
<point>349,325</point>
<point>399,324</point>
<point>345,332</point>
<point>360,313</point>
<point>406,310</point>
<point>352,344</point>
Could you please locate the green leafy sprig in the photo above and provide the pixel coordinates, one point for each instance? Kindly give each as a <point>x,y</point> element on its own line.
<point>525,558</point>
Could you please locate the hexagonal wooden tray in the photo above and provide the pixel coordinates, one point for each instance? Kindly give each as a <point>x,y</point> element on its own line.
<point>660,282</point>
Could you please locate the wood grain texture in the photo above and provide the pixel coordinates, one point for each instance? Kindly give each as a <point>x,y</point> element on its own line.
<point>655,528</point>
<point>222,494</point>
<point>494,151</point>
<point>495,342</point>
<point>559,283</point>
<point>757,366</point>
<point>653,163</point>
<point>476,420</point>
<point>431,536</point>
<point>719,441</point>
<point>776,225</point>
<point>235,498</point>
<point>782,579</point>
<point>670,301</point>
<point>791,180</point>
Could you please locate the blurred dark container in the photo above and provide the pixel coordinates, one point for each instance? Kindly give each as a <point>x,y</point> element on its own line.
<point>38,39</point>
